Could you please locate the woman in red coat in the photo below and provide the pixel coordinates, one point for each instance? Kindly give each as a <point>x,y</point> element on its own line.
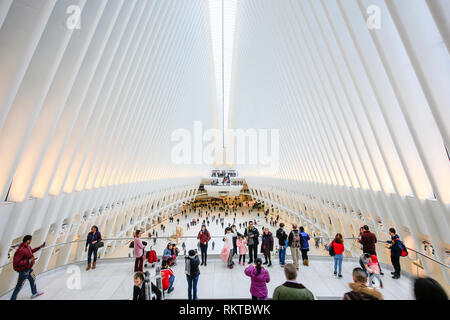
<point>338,245</point>
<point>267,246</point>
<point>204,238</point>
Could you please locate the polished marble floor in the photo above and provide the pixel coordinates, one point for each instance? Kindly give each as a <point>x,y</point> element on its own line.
<point>113,278</point>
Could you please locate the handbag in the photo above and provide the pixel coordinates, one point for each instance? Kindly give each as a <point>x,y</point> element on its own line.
<point>331,250</point>
<point>99,245</point>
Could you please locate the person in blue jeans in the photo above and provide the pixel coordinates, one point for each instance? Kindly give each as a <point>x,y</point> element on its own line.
<point>93,237</point>
<point>23,263</point>
<point>192,273</point>
<point>338,245</point>
<point>282,242</point>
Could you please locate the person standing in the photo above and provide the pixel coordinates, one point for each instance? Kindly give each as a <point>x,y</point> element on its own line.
<point>368,240</point>
<point>192,273</point>
<point>138,252</point>
<point>267,246</point>
<point>304,246</point>
<point>204,238</point>
<point>241,244</point>
<point>282,242</point>
<point>23,262</point>
<point>294,244</point>
<point>338,245</point>
<point>92,239</point>
<point>291,289</point>
<point>252,236</point>
<point>228,248</point>
<point>395,245</point>
<point>235,236</point>
<point>259,279</point>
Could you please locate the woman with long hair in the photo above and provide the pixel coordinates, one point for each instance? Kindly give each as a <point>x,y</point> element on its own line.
<point>259,279</point>
<point>138,252</point>
<point>204,237</point>
<point>338,245</point>
<point>92,239</point>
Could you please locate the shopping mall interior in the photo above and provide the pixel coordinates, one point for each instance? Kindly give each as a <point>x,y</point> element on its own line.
<point>163,116</point>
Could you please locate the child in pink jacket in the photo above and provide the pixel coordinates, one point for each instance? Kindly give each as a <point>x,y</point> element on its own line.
<point>241,243</point>
<point>374,270</point>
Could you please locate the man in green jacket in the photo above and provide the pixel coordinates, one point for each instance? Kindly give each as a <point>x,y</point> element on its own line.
<point>291,289</point>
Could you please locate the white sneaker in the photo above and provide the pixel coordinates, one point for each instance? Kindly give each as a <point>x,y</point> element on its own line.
<point>37,294</point>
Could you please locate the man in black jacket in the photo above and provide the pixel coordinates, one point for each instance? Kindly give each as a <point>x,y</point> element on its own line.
<point>252,235</point>
<point>282,237</point>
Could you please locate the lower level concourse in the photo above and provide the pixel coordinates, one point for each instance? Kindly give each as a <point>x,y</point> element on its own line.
<point>113,277</point>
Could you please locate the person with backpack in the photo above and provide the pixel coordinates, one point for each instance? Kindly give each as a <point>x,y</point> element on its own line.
<point>282,242</point>
<point>267,246</point>
<point>304,246</point>
<point>252,236</point>
<point>23,262</point>
<point>93,238</point>
<point>294,244</point>
<point>259,279</point>
<point>396,247</point>
<point>359,290</point>
<point>192,273</point>
<point>337,251</point>
<point>204,238</point>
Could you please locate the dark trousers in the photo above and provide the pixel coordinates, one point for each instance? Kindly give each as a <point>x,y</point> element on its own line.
<point>304,254</point>
<point>204,250</point>
<point>252,253</point>
<point>139,264</point>
<point>267,258</point>
<point>243,258</point>
<point>24,275</point>
<point>92,250</point>
<point>192,287</point>
<point>396,264</point>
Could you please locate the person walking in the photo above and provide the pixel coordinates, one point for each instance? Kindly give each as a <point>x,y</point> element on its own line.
<point>359,290</point>
<point>304,246</point>
<point>374,271</point>
<point>282,242</point>
<point>91,247</point>
<point>204,237</point>
<point>395,245</point>
<point>267,246</point>
<point>291,289</point>
<point>338,246</point>
<point>252,237</point>
<point>294,244</point>
<point>259,279</point>
<point>23,262</point>
<point>138,252</point>
<point>192,271</point>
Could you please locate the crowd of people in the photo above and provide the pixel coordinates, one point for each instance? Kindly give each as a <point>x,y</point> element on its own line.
<point>242,240</point>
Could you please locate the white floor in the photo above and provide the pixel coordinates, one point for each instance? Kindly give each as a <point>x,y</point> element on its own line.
<point>113,279</point>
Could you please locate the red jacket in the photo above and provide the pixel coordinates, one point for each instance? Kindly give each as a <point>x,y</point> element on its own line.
<point>22,258</point>
<point>166,274</point>
<point>204,237</point>
<point>338,247</point>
